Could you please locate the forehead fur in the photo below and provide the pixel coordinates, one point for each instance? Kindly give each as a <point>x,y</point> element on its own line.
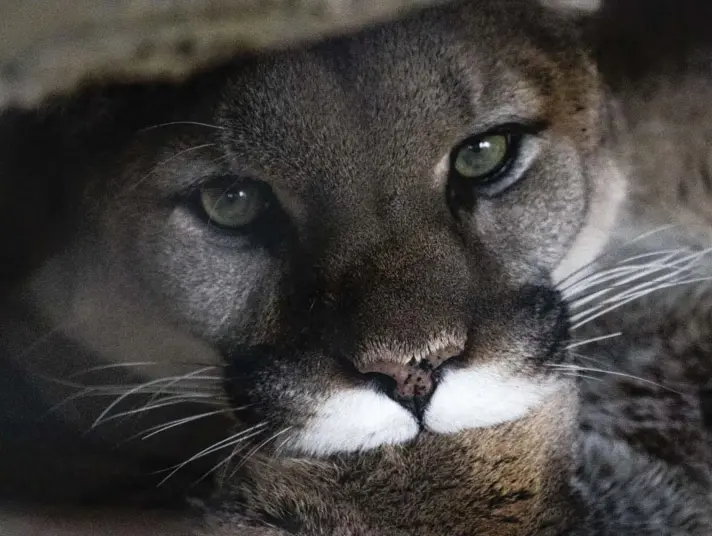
<point>416,88</point>
<point>467,43</point>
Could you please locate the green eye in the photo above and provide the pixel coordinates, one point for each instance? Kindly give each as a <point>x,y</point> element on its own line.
<point>481,156</point>
<point>232,207</point>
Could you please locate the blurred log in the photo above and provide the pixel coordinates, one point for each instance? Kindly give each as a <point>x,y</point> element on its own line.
<point>50,47</point>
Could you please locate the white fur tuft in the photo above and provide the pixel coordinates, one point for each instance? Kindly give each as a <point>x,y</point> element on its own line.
<point>482,396</point>
<point>353,421</point>
<point>605,204</point>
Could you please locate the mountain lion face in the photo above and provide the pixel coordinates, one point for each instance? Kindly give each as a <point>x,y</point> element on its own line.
<point>370,233</point>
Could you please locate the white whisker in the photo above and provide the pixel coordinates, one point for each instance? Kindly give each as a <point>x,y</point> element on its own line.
<point>111,366</point>
<point>620,275</point>
<point>237,449</point>
<point>622,295</point>
<point>579,375</point>
<point>162,163</point>
<point>576,344</point>
<point>159,429</point>
<point>621,247</point>
<point>257,449</point>
<point>636,296</point>
<point>196,375</point>
<point>174,123</point>
<point>588,358</point>
<point>139,389</point>
<point>134,364</point>
<point>625,265</point>
<point>161,403</point>
<point>46,337</point>
<point>577,368</point>
<point>216,447</point>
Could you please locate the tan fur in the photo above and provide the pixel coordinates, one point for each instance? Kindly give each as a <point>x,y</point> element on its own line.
<point>504,481</point>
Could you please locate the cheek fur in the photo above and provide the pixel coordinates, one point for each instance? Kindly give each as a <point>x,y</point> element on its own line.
<point>530,227</point>
<point>352,421</point>
<point>219,291</point>
<point>483,396</point>
<point>607,187</point>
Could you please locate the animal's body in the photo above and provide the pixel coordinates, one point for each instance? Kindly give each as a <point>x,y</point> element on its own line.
<point>369,249</point>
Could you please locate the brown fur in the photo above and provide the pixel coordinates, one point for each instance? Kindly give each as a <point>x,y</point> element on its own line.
<point>503,481</point>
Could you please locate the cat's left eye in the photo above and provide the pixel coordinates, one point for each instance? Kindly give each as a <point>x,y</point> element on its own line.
<point>232,206</point>
<point>482,158</point>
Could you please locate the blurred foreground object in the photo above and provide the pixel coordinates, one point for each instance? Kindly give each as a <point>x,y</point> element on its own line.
<point>50,47</point>
<point>53,47</point>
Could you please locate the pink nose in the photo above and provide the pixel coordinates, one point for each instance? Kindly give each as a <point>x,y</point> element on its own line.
<point>413,379</point>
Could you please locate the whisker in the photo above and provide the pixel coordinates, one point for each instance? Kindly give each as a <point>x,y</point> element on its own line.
<point>588,358</point>
<point>134,364</point>
<point>121,387</point>
<point>599,362</point>
<point>629,291</point>
<point>621,247</point>
<point>678,266</point>
<point>577,368</point>
<point>257,449</point>
<point>112,366</point>
<point>163,427</point>
<point>624,265</point>
<point>576,344</point>
<point>174,123</point>
<point>225,443</point>
<point>652,232</point>
<point>237,449</point>
<point>162,163</point>
<point>46,337</point>
<point>110,388</point>
<point>193,376</point>
<point>91,392</point>
<point>584,376</point>
<point>164,402</point>
<point>138,389</point>
<point>279,449</point>
<point>618,274</point>
<point>615,298</point>
<point>636,296</point>
<point>639,271</point>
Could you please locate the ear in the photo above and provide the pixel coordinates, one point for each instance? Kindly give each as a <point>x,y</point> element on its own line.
<point>580,7</point>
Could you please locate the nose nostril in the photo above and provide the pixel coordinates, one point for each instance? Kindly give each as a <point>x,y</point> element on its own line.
<point>410,382</point>
<point>383,382</point>
<point>404,381</point>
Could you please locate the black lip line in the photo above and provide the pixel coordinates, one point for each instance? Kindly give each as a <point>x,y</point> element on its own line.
<point>436,377</point>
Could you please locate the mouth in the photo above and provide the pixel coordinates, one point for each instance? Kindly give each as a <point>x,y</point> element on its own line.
<point>363,418</point>
<point>411,385</point>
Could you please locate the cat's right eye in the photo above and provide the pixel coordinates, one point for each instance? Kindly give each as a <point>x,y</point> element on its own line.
<point>232,204</point>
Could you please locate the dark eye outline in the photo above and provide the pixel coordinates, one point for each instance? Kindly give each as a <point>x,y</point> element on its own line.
<point>462,192</point>
<point>227,183</point>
